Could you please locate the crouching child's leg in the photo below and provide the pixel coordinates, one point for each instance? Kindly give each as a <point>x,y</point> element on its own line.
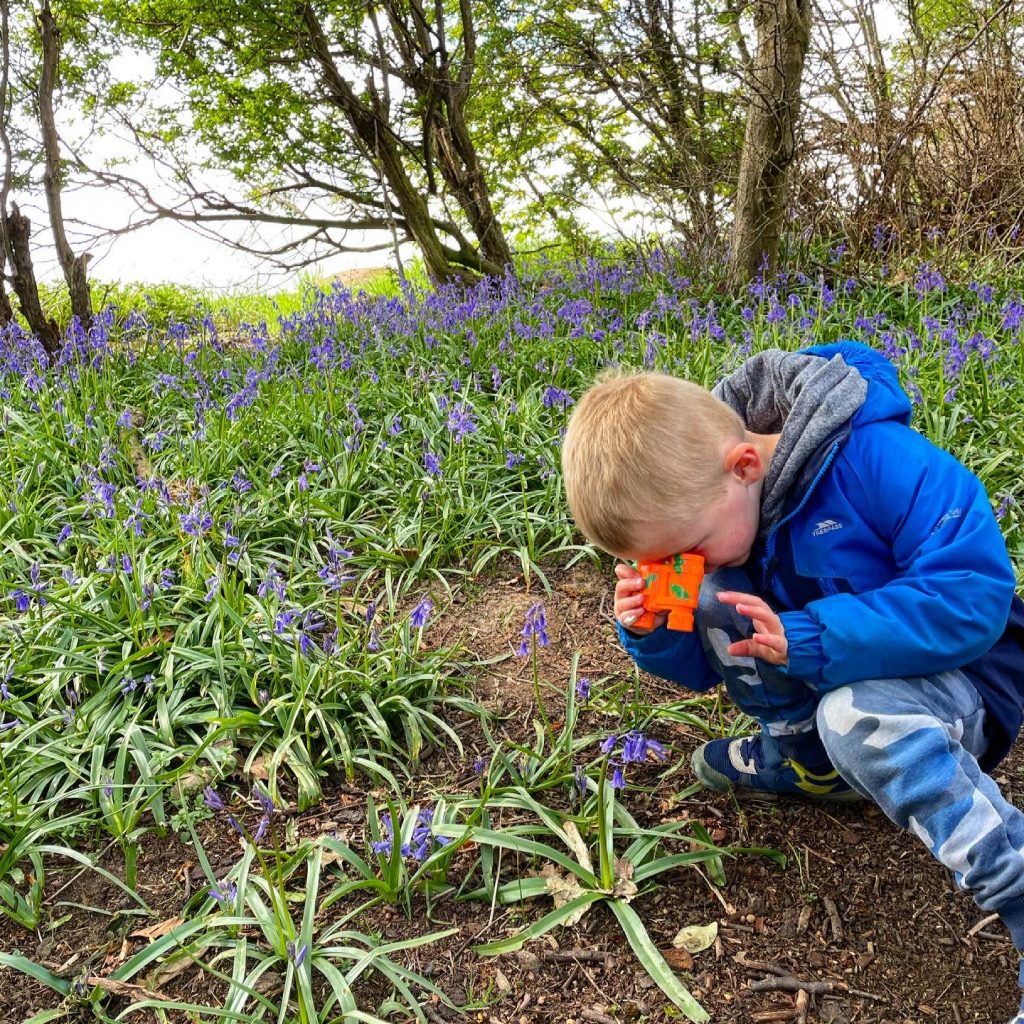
<point>912,746</point>
<point>787,755</point>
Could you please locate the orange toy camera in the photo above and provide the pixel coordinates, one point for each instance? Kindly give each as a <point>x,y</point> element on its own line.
<point>671,586</point>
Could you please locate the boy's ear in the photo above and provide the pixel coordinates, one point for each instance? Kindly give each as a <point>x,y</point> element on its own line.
<point>744,461</point>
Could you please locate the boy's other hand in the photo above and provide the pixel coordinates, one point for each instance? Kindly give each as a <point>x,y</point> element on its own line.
<point>769,641</point>
<point>629,600</point>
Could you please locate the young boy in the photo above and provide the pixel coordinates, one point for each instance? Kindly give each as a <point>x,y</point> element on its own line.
<point>859,600</point>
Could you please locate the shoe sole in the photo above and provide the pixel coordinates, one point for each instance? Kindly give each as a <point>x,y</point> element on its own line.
<point>720,783</point>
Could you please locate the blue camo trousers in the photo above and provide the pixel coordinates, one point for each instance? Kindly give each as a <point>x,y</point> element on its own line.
<point>910,745</point>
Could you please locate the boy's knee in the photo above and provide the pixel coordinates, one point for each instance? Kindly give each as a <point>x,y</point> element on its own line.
<point>836,718</point>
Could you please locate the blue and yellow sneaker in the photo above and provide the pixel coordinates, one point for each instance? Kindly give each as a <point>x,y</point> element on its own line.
<point>745,763</point>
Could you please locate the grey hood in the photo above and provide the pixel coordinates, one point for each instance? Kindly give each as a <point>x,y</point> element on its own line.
<point>806,398</point>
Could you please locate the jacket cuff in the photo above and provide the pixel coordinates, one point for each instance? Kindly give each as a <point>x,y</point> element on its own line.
<point>661,639</point>
<point>1012,914</point>
<point>806,656</point>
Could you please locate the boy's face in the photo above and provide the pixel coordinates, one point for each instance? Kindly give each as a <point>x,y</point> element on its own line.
<point>723,533</point>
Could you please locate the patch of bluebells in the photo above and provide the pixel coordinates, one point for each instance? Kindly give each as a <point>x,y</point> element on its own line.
<point>636,748</point>
<point>421,842</point>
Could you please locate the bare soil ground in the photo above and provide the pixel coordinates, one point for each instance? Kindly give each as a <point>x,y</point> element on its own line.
<point>862,917</point>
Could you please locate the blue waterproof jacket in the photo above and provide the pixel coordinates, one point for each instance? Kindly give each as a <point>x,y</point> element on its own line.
<point>886,561</point>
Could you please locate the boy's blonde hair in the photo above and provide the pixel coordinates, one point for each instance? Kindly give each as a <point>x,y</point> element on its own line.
<point>644,447</point>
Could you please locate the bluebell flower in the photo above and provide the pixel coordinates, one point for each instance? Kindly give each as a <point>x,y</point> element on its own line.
<point>432,464</point>
<point>383,846</point>
<point>226,892</point>
<point>636,746</point>
<point>535,625</point>
<point>609,744</point>
<point>64,534</point>
<point>213,800</point>
<point>554,397</point>
<point>273,583</point>
<point>284,619</point>
<point>583,688</point>
<point>460,422</point>
<point>618,780</point>
<point>580,778</point>
<point>212,587</point>
<point>297,956</point>
<point>128,686</point>
<point>22,601</point>
<point>421,613</point>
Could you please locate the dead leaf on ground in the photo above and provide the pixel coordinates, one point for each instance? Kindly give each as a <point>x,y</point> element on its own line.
<point>564,889</point>
<point>158,931</point>
<point>625,888</point>
<point>678,959</point>
<point>695,938</point>
<point>136,993</point>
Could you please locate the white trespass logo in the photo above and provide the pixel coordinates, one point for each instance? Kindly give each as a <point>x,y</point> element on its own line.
<point>826,526</point>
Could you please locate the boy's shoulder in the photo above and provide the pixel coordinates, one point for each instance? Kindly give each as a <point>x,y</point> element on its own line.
<point>883,450</point>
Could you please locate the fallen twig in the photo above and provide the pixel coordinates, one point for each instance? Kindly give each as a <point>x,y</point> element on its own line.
<point>982,924</point>
<point>583,956</point>
<point>768,966</point>
<point>803,1003</point>
<point>787,983</point>
<point>833,915</point>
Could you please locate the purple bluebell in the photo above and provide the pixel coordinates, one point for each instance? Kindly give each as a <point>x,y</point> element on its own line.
<point>608,744</point>
<point>583,688</point>
<point>226,892</point>
<point>273,583</point>
<point>212,587</point>
<point>213,800</point>
<point>535,626</point>
<point>421,613</point>
<point>432,464</point>
<point>297,956</point>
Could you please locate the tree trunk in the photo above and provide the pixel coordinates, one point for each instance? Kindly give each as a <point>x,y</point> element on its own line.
<point>371,126</point>
<point>24,282</point>
<point>783,35</point>
<point>460,165</point>
<point>72,265</point>
<point>464,176</point>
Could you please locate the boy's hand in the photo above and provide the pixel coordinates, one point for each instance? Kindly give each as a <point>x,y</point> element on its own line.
<point>629,599</point>
<point>769,641</point>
